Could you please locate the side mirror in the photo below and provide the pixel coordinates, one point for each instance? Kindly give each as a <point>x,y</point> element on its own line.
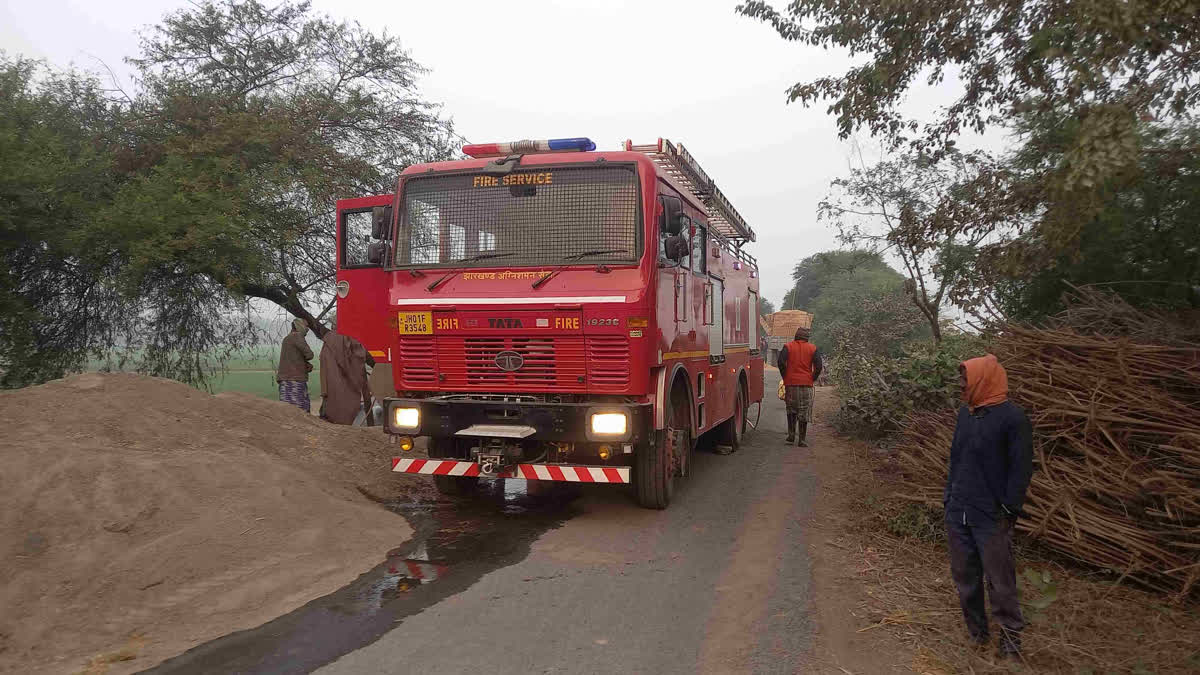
<point>377,253</point>
<point>672,211</point>
<point>675,247</point>
<point>680,225</point>
<point>381,222</point>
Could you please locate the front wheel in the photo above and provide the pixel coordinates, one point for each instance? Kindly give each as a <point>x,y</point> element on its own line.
<point>734,428</point>
<point>656,467</point>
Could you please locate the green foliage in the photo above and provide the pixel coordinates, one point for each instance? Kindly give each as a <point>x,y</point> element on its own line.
<point>922,211</point>
<point>916,521</point>
<point>765,306</point>
<point>814,272</point>
<point>877,345</point>
<point>1044,589</point>
<point>58,148</point>
<point>1106,64</point>
<point>145,223</point>
<point>1136,235</point>
<point>878,390</point>
<point>1101,187</point>
<point>862,313</point>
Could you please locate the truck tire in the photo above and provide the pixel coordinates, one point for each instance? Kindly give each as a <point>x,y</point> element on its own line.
<point>655,468</point>
<point>454,486</point>
<point>734,428</point>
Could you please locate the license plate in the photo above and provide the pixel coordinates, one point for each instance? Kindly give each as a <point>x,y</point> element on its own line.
<point>415,323</point>
<point>489,464</point>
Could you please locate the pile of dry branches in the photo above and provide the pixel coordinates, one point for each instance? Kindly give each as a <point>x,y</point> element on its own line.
<point>1114,397</point>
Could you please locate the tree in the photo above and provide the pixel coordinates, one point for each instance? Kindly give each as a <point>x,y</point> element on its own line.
<point>143,224</point>
<point>1138,238</point>
<point>1106,66</point>
<point>765,306</point>
<point>932,215</point>
<point>1107,63</point>
<point>863,312</point>
<point>267,115</point>
<point>58,148</point>
<point>813,273</point>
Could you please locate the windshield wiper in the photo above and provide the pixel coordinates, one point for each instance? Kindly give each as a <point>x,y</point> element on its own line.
<point>575,256</point>
<point>446,277</point>
<point>485,256</point>
<point>585,254</point>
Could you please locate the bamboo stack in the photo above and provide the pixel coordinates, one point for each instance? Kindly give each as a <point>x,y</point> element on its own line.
<point>1114,398</point>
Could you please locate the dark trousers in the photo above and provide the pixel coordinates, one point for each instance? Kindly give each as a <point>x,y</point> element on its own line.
<point>981,549</point>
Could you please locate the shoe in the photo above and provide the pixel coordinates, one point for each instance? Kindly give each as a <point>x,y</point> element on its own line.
<point>1009,647</point>
<point>1007,651</point>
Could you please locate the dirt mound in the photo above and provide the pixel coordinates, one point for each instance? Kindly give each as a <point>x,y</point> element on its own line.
<point>140,517</point>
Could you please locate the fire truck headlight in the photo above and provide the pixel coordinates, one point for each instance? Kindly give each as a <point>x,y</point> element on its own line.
<point>406,418</point>
<point>610,424</point>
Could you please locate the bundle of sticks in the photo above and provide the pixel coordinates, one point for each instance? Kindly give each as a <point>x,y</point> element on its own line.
<point>1114,398</point>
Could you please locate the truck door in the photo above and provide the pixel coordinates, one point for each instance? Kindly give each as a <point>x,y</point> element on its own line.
<point>716,310</point>
<point>361,286</point>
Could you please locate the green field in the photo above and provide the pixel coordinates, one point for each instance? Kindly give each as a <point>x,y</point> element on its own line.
<point>252,372</point>
<point>260,383</point>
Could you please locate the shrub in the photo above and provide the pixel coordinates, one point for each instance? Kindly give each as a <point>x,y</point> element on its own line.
<point>878,391</point>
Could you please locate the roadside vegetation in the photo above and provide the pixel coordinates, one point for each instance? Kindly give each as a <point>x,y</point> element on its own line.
<point>1072,255</point>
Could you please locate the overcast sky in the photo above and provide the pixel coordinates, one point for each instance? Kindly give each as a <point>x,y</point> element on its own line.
<point>692,71</point>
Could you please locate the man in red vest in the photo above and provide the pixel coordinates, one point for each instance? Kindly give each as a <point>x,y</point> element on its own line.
<point>800,366</point>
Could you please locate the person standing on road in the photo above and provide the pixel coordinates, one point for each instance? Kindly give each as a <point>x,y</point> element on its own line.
<point>344,386</point>
<point>991,463</point>
<point>799,365</point>
<point>295,358</point>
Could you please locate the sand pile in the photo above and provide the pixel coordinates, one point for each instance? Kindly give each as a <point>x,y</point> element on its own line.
<point>140,517</point>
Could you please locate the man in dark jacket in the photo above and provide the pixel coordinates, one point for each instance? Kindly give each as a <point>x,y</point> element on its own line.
<point>991,462</point>
<point>799,365</point>
<point>294,367</point>
<point>345,389</point>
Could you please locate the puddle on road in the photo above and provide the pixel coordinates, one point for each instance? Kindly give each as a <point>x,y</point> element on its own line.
<point>454,544</point>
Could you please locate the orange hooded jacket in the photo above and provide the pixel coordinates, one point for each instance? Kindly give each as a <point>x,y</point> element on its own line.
<point>991,455</point>
<point>987,382</point>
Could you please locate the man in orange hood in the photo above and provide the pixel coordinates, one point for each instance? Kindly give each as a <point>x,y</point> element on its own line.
<point>991,463</point>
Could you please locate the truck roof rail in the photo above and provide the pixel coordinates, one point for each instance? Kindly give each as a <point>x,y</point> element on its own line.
<point>678,163</point>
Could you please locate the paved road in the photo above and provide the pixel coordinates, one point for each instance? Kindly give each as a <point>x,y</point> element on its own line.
<point>720,582</point>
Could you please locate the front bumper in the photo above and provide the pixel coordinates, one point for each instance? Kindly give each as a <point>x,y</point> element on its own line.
<point>561,422</point>
<point>569,473</point>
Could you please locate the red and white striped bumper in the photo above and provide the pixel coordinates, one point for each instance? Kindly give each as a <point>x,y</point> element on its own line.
<point>425,572</point>
<point>563,472</point>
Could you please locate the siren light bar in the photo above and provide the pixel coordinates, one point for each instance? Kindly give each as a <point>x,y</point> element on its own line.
<point>525,147</point>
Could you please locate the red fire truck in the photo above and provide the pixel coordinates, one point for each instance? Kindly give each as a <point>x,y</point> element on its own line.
<point>545,311</point>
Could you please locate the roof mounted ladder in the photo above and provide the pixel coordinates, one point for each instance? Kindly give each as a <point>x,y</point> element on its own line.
<point>678,163</point>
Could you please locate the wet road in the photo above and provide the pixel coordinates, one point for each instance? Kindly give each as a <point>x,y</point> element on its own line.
<point>719,582</point>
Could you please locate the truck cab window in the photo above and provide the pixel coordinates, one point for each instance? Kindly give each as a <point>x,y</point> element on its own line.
<point>699,244</point>
<point>356,236</point>
<point>487,241</point>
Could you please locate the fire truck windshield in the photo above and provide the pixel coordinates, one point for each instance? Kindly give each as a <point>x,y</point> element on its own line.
<point>536,215</point>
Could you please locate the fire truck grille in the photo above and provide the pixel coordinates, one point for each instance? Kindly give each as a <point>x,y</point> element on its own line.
<point>547,363</point>
<point>416,362</point>
<point>608,363</point>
